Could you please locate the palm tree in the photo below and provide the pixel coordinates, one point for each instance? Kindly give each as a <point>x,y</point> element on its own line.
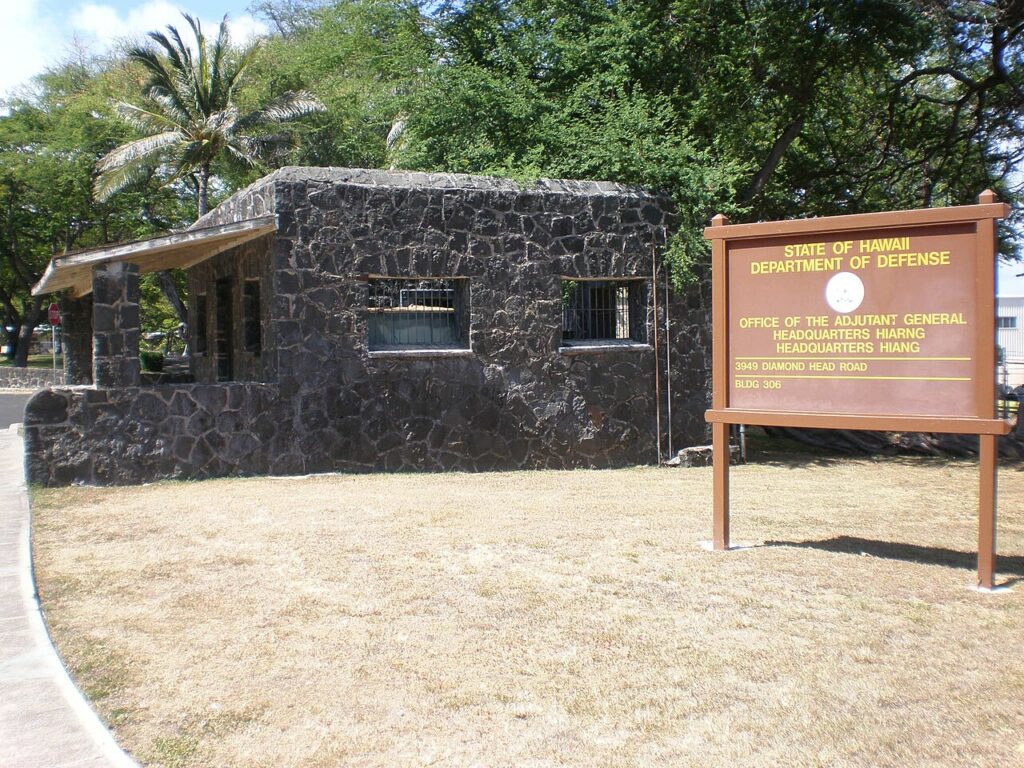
<point>191,118</point>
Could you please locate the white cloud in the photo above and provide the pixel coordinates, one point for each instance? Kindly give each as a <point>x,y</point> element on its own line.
<point>32,39</point>
<point>104,25</point>
<point>28,43</point>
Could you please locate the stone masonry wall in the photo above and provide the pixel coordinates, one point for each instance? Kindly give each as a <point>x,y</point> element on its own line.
<point>517,400</point>
<point>76,337</point>
<point>135,434</point>
<point>29,378</point>
<point>514,399</point>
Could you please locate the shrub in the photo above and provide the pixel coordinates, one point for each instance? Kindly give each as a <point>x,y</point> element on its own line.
<point>152,361</point>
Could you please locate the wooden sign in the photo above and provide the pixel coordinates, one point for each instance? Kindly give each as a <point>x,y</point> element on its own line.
<point>872,321</point>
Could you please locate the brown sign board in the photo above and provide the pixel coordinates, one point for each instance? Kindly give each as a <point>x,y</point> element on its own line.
<point>863,322</point>
<point>873,321</point>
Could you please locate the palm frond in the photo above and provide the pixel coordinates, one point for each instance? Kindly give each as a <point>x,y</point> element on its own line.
<point>144,120</point>
<point>239,153</point>
<point>164,84</point>
<point>198,69</point>
<point>106,184</point>
<point>286,107</point>
<point>220,48</point>
<point>267,146</point>
<point>172,108</point>
<point>173,53</point>
<point>146,148</point>
<point>180,77</point>
<point>222,122</point>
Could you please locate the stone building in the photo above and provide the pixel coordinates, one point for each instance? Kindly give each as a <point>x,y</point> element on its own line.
<point>354,320</point>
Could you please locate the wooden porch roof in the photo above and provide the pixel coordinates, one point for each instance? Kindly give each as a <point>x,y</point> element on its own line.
<point>181,249</point>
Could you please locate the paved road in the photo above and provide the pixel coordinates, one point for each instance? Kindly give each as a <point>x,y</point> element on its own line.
<point>12,408</point>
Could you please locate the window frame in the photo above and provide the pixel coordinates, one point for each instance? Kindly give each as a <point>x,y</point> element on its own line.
<point>1000,325</point>
<point>251,321</point>
<point>460,309</point>
<point>637,313</point>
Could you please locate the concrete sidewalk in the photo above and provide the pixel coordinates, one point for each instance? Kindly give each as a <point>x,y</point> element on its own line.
<point>44,720</point>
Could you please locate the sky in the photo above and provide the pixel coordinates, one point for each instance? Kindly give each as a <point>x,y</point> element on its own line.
<point>1009,283</point>
<point>40,33</point>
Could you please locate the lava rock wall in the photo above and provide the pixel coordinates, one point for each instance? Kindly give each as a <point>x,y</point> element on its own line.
<point>514,398</point>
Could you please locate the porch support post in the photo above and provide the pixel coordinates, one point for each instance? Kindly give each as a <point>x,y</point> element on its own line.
<point>76,338</point>
<point>115,322</point>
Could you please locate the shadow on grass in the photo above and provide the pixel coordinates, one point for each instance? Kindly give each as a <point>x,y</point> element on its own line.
<point>782,451</point>
<point>1007,565</point>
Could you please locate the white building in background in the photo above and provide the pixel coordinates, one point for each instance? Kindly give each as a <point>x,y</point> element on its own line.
<point>1010,337</point>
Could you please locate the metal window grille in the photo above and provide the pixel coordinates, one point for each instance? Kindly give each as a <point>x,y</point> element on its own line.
<point>414,313</point>
<point>252,328</point>
<point>602,310</point>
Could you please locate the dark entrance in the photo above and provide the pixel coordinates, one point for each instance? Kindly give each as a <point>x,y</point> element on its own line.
<point>225,333</point>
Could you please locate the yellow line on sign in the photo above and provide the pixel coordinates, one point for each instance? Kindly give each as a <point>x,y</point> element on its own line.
<point>961,359</point>
<point>876,378</point>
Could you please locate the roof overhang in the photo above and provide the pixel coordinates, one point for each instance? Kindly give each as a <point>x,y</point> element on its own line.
<point>181,249</point>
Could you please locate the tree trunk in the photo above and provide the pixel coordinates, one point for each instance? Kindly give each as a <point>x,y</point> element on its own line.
<point>204,189</point>
<point>11,331</point>
<point>25,333</point>
<point>782,143</point>
<point>170,292</point>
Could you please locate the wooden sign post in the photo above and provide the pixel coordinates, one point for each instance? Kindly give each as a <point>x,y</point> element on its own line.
<point>882,321</point>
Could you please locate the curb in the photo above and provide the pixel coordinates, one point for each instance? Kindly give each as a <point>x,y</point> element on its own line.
<point>87,719</point>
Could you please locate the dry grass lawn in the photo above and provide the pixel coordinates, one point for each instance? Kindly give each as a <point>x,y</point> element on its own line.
<point>544,619</point>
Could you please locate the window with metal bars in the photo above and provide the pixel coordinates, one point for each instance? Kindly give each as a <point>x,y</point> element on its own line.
<point>417,313</point>
<point>603,310</point>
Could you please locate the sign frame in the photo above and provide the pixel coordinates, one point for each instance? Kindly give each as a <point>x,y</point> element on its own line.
<point>721,416</point>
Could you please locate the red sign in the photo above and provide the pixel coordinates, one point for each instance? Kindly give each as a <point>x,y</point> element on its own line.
<point>54,314</point>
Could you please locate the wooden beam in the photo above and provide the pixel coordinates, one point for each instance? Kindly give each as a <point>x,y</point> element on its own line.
<point>823,225</point>
<point>139,247</point>
<point>881,423</point>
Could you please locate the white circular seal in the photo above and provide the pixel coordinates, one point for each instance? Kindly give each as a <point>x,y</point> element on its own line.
<point>844,292</point>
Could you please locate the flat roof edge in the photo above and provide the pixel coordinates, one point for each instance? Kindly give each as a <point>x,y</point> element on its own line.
<point>373,177</point>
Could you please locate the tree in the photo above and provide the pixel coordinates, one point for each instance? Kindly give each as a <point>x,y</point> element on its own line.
<point>360,57</point>
<point>970,88</point>
<point>755,108</point>
<point>191,119</point>
<point>50,140</point>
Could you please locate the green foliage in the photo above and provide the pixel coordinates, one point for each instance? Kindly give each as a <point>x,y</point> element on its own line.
<point>190,118</point>
<point>151,361</point>
<point>361,58</point>
<point>50,139</point>
<point>156,312</point>
<point>753,108</point>
<point>756,109</point>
